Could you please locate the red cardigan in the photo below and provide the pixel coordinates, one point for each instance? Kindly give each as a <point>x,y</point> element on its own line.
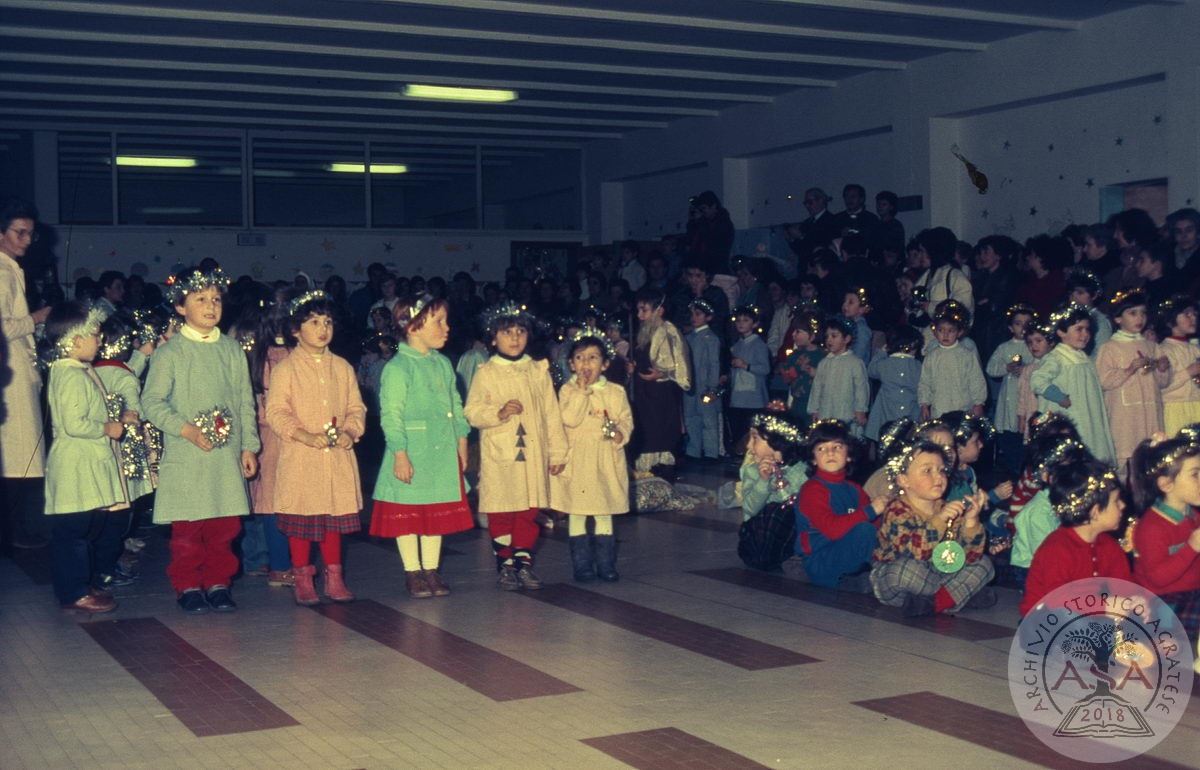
<point>1165,563</point>
<point>1064,556</point>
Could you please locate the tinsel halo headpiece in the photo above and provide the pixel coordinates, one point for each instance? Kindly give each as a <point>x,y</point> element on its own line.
<point>703,305</point>
<point>591,332</point>
<point>178,289</point>
<point>842,324</point>
<point>901,429</point>
<point>116,346</point>
<point>1082,278</point>
<point>1058,452</point>
<point>864,296</point>
<point>306,297</point>
<point>1044,421</point>
<point>414,310</point>
<point>1069,314</point>
<point>148,327</point>
<point>1020,309</point>
<point>1077,504</point>
<point>1125,299</point>
<point>494,315</point>
<point>1043,327</point>
<point>770,424</point>
<point>971,424</point>
<point>1179,448</point>
<point>899,462</point>
<point>750,311</point>
<point>1190,433</point>
<point>88,327</point>
<point>952,310</point>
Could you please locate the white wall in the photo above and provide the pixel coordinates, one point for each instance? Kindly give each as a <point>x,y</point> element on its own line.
<point>937,102</point>
<point>654,204</point>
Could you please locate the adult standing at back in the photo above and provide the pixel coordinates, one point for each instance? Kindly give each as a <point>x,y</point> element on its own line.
<point>855,219</point>
<point>22,445</point>
<point>943,279</point>
<point>712,233</point>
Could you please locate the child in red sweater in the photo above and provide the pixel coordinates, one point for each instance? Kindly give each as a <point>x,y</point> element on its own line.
<point>834,531</point>
<point>1166,480</point>
<point>1086,497</point>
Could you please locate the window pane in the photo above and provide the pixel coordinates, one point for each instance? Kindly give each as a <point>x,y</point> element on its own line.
<point>16,163</point>
<point>435,190</point>
<point>179,180</point>
<point>531,189</point>
<point>84,179</point>
<point>309,182</point>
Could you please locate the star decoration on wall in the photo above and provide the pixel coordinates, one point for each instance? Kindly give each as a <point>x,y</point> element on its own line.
<point>751,211</point>
<point>328,245</point>
<point>1050,148</point>
<point>112,253</point>
<point>1033,211</point>
<point>157,258</point>
<point>766,201</point>
<point>1120,141</point>
<point>1090,182</point>
<point>1007,144</point>
<point>1157,119</point>
<point>984,214</point>
<point>1188,202</point>
<point>469,246</point>
<point>170,241</point>
<point>1061,177</point>
<point>474,267</point>
<point>358,268</point>
<point>387,246</point>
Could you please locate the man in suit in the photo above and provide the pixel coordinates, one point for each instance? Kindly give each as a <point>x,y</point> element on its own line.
<point>855,220</point>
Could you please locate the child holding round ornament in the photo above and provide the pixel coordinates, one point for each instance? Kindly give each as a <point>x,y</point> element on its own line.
<point>1176,328</point>
<point>315,408</point>
<point>198,393</point>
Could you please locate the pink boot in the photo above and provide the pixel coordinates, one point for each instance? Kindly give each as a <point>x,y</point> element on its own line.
<point>335,587</point>
<point>305,592</point>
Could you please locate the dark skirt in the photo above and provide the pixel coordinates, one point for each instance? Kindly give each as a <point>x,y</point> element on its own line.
<point>657,410</point>
<point>314,527</point>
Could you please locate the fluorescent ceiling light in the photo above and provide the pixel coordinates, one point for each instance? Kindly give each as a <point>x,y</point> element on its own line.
<point>376,168</point>
<point>153,162</point>
<point>456,94</point>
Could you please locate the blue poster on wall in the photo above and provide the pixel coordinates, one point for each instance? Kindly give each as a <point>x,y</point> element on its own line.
<point>766,243</point>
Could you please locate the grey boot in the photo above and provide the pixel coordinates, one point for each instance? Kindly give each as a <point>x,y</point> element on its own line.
<point>606,558</point>
<point>581,559</point>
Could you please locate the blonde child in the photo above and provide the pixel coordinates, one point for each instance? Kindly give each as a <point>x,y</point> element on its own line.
<point>198,393</point>
<point>1166,482</point>
<point>1006,363</point>
<point>840,390</point>
<point>419,493</point>
<point>84,484</point>
<point>1067,382</point>
<point>1176,327</point>
<point>315,408</point>
<point>951,378</point>
<point>1132,376</point>
<point>512,403</point>
<point>594,483</point>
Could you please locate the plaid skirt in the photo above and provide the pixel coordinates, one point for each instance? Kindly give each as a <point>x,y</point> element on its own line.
<point>314,527</point>
<point>1186,605</point>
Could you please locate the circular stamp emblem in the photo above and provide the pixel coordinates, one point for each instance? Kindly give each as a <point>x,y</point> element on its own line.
<point>1101,670</point>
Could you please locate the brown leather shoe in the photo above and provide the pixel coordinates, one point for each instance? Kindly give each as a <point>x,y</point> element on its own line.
<point>418,587</point>
<point>96,604</point>
<point>434,581</point>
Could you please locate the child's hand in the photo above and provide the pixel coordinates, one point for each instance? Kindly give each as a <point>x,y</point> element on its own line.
<point>344,441</point>
<point>314,440</point>
<point>114,430</point>
<point>557,469</point>
<point>585,381</point>
<point>630,368</point>
<point>1194,540</point>
<point>860,418</point>
<point>618,438</point>
<point>1004,490</point>
<point>789,375</point>
<point>880,504</point>
<point>1065,403</point>
<point>462,454</point>
<point>1194,369</point>
<point>1015,367</point>
<point>651,376</point>
<point>977,410</point>
<point>738,363</point>
<point>402,467</point>
<point>129,417</point>
<point>193,434</point>
<point>765,468</point>
<point>511,407</point>
<point>147,349</point>
<point>924,412</point>
<point>1021,425</point>
<point>1162,363</point>
<point>249,464</point>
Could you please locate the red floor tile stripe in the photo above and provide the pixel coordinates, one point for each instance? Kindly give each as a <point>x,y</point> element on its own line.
<point>668,748</point>
<point>727,647</point>
<point>958,627</point>
<point>202,694</point>
<point>485,671</point>
<point>995,730</point>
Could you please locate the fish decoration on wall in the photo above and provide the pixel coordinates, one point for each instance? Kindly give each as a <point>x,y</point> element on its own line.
<point>977,177</point>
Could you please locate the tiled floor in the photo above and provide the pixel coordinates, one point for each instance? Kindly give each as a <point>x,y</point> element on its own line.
<point>689,661</point>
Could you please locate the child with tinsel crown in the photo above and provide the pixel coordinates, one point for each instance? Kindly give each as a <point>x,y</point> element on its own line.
<point>198,393</point>
<point>522,443</point>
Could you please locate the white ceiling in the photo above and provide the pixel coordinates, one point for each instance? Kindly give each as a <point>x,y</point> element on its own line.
<point>585,69</point>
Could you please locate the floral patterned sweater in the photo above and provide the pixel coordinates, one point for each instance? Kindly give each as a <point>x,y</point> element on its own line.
<point>905,533</point>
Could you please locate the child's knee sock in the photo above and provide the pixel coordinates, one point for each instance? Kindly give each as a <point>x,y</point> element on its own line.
<point>942,600</point>
<point>431,551</point>
<point>301,551</point>
<point>331,548</point>
<point>502,546</point>
<point>603,525</point>
<point>576,526</point>
<point>410,552</point>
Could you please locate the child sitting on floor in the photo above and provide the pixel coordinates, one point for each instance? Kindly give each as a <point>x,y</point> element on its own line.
<point>775,469</point>
<point>1037,519</point>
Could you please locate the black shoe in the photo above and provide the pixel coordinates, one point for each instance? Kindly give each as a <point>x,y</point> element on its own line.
<point>982,600</point>
<point>114,579</point>
<point>916,606</point>
<point>221,600</point>
<point>192,602</point>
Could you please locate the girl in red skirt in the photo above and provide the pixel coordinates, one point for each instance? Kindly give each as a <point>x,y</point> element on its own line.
<point>420,494</point>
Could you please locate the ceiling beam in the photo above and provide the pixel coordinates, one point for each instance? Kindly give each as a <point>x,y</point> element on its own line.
<point>895,7</point>
<point>249,88</point>
<point>239,120</point>
<point>291,48</point>
<point>694,22</point>
<point>325,23</point>
<point>394,78</point>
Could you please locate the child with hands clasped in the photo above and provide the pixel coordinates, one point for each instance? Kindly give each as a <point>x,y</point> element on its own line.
<point>420,494</point>
<point>315,408</point>
<point>522,443</point>
<point>594,483</point>
<point>930,555</point>
<point>1132,376</point>
<point>840,390</point>
<point>1176,328</point>
<point>835,534</point>
<point>198,393</point>
<point>799,360</point>
<point>83,479</point>
<point>1166,482</point>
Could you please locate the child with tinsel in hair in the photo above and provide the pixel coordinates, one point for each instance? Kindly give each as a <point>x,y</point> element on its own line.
<point>660,373</point>
<point>198,393</point>
<point>420,495</point>
<point>749,367</point>
<point>840,389</point>
<point>775,469</point>
<point>85,490</point>
<point>799,360</point>
<point>1044,431</point>
<point>893,437</point>
<point>1085,496</point>
<point>835,533</point>
<point>971,435</point>
<point>899,373</point>
<point>856,305</point>
<point>1166,482</point>
<point>1007,362</point>
<point>1083,289</point>
<point>1037,518</point>
<point>1067,381</point>
<point>594,483</point>
<point>702,402</point>
<point>315,408</point>
<point>1132,376</point>
<point>1176,328</point>
<point>930,558</point>
<point>522,443</point>
<point>951,378</point>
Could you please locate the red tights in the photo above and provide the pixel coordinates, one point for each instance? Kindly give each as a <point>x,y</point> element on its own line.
<point>331,549</point>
